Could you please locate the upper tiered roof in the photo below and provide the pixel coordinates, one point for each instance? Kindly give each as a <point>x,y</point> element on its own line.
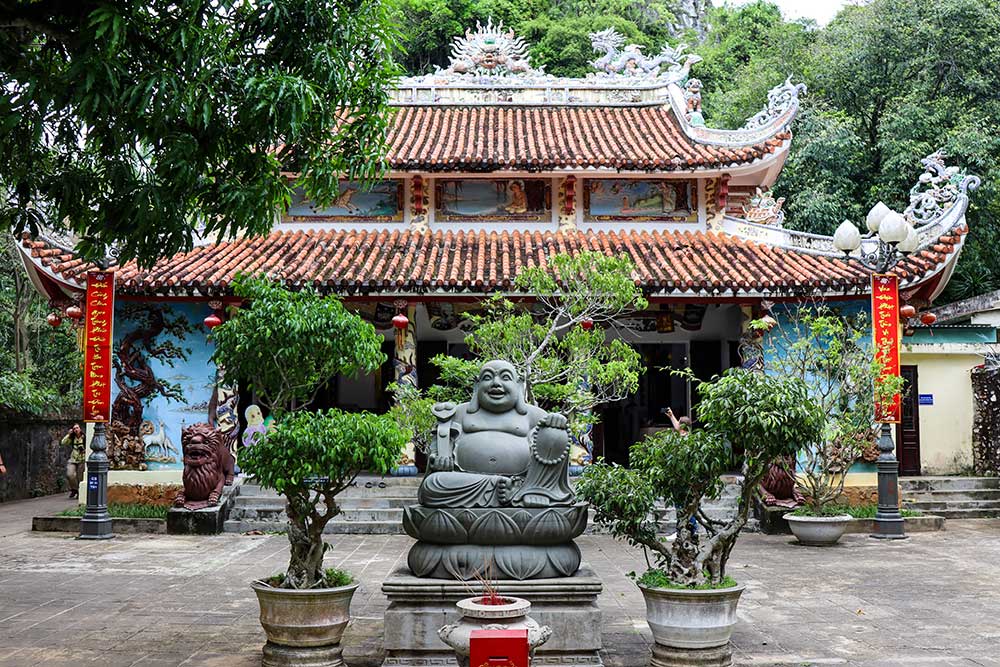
<point>537,138</point>
<point>492,112</point>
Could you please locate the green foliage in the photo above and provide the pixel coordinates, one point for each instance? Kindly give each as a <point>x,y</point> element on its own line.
<point>124,511</point>
<point>334,578</point>
<point>866,511</point>
<point>766,417</point>
<point>307,457</point>
<point>557,31</point>
<point>137,124</point>
<point>318,339</point>
<point>40,367</point>
<point>567,368</point>
<point>748,50</point>
<point>830,353</point>
<point>323,451</point>
<point>310,457</point>
<point>622,500</point>
<point>659,579</point>
<point>412,412</point>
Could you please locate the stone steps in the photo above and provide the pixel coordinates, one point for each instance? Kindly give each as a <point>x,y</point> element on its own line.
<point>915,484</point>
<point>373,526</point>
<point>374,506</point>
<point>935,505</point>
<point>952,497</point>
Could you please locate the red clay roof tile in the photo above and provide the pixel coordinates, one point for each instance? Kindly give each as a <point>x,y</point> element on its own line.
<point>490,138</point>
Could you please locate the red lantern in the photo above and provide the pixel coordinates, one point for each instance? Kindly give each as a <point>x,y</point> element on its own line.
<point>53,319</point>
<point>587,324</point>
<point>400,322</point>
<point>928,318</point>
<point>212,321</point>
<point>907,311</point>
<point>74,312</point>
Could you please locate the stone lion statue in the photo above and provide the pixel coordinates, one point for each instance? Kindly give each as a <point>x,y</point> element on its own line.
<point>208,466</point>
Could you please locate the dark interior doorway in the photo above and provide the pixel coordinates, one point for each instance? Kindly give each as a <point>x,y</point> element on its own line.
<point>908,429</point>
<point>628,421</point>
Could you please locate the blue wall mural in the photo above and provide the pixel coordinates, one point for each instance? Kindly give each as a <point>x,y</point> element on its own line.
<point>489,199</point>
<point>636,199</point>
<point>383,201</point>
<point>784,313</point>
<point>164,379</point>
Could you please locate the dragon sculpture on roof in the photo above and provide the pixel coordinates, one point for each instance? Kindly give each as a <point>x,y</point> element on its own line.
<point>627,60</point>
<point>938,189</point>
<point>490,50</point>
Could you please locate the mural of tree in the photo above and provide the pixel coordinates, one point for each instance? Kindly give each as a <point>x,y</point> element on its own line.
<point>154,326</point>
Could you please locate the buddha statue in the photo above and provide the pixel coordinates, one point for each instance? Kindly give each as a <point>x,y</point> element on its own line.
<point>497,494</point>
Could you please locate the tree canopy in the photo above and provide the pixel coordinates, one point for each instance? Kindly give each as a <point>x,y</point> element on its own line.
<point>889,82</point>
<point>137,125</point>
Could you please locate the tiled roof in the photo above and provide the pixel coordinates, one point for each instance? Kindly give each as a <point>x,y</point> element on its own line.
<point>399,261</point>
<point>490,138</point>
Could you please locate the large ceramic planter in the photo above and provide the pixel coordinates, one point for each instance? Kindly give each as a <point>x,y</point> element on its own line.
<point>818,531</point>
<point>691,619</point>
<point>303,626</point>
<point>477,616</point>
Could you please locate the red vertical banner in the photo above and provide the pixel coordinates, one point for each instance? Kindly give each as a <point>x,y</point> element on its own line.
<point>885,335</point>
<point>97,353</point>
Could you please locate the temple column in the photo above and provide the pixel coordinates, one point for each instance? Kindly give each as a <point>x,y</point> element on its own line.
<point>404,366</point>
<point>566,204</point>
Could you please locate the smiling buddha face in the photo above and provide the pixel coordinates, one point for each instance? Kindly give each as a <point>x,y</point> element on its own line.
<point>498,389</point>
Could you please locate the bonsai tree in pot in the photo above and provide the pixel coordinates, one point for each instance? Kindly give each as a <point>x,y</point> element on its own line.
<point>764,416</point>
<point>830,353</point>
<point>286,345</point>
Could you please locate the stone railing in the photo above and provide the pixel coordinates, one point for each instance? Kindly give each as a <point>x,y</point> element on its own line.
<point>818,244</point>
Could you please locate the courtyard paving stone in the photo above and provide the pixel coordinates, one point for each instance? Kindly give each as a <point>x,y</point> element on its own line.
<point>162,600</point>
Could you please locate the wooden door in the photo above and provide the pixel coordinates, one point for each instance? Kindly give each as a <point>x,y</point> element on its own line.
<point>908,430</point>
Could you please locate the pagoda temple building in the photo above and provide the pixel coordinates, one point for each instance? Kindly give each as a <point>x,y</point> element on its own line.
<point>495,165</point>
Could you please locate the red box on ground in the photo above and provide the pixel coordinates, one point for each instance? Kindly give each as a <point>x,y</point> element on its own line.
<point>498,648</point>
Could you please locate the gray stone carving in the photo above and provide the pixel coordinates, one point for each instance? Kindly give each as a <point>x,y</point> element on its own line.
<point>627,60</point>
<point>937,189</point>
<point>780,99</point>
<point>498,489</point>
<point>491,50</point>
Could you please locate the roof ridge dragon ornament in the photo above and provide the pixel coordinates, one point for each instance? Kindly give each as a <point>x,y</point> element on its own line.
<point>937,189</point>
<point>627,60</point>
<point>780,99</point>
<point>491,50</point>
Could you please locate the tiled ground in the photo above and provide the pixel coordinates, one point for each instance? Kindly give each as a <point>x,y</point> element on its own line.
<point>156,601</point>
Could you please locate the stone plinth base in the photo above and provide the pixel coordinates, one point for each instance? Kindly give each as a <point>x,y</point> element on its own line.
<point>276,655</point>
<point>419,606</point>
<point>665,656</point>
<point>205,521</point>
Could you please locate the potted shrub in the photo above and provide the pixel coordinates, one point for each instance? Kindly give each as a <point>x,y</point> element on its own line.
<point>830,353</point>
<point>690,599</point>
<point>286,346</point>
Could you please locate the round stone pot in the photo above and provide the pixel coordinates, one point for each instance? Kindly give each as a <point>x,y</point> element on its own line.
<point>304,619</point>
<point>691,619</point>
<point>818,531</point>
<point>477,616</point>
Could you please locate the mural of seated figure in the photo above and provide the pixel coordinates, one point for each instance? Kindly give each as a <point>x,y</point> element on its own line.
<point>497,492</point>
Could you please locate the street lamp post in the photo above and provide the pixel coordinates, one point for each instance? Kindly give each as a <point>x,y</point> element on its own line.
<point>894,239</point>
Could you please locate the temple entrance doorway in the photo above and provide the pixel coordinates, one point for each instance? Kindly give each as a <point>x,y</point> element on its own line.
<point>645,412</point>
